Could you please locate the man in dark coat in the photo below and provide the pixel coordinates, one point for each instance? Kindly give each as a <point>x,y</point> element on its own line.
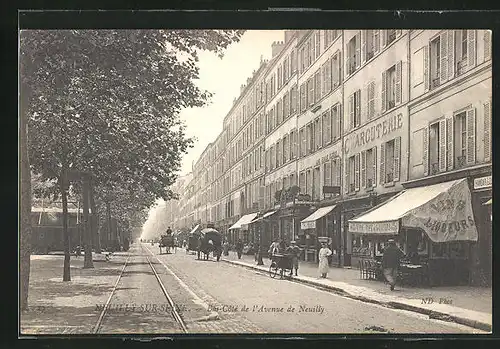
<point>390,262</point>
<point>169,231</point>
<point>239,248</point>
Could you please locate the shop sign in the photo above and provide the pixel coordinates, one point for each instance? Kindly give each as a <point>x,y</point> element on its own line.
<point>371,133</point>
<point>391,227</point>
<point>308,225</point>
<point>448,217</point>
<point>483,182</point>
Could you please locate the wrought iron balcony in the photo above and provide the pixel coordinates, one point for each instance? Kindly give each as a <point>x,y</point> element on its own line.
<point>352,188</point>
<point>369,183</point>
<point>434,168</point>
<point>389,177</point>
<point>461,161</point>
<point>435,82</point>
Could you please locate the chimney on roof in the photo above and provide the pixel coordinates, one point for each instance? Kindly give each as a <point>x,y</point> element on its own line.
<point>276,48</point>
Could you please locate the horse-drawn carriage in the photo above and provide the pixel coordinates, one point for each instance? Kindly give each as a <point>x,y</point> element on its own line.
<point>167,241</point>
<point>209,241</point>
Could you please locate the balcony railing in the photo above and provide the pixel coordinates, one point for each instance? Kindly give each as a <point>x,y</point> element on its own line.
<point>434,168</point>
<point>369,183</point>
<point>369,55</point>
<point>435,82</point>
<point>391,37</point>
<point>461,65</point>
<point>389,177</point>
<point>460,161</point>
<point>352,188</point>
<point>391,104</point>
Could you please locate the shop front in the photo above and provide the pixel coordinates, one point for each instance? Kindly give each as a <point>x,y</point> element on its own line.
<point>241,228</point>
<point>482,207</point>
<point>264,226</point>
<point>434,226</point>
<point>319,224</point>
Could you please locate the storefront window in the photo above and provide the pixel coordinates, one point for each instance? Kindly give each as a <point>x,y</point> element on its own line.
<point>360,246</point>
<point>439,251</point>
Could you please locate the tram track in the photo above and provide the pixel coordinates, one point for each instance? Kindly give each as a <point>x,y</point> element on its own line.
<point>173,307</point>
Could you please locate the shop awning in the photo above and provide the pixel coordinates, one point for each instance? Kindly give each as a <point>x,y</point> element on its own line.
<point>244,220</point>
<point>310,222</point>
<point>489,202</point>
<point>194,229</point>
<point>443,211</point>
<point>265,215</point>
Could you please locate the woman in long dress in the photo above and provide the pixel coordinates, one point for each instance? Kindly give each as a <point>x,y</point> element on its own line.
<point>324,252</point>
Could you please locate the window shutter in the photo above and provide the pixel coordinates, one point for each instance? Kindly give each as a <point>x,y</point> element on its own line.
<point>471,136</point>
<point>374,152</point>
<point>363,169</point>
<point>339,64</point>
<point>382,163</point>
<point>487,131</point>
<point>376,40</point>
<point>397,159</point>
<point>337,171</point>
<point>364,35</point>
<point>398,82</point>
<point>471,48</point>
<point>371,100</point>
<point>351,111</point>
<point>427,73</point>
<point>365,102</point>
<point>449,143</point>
<point>358,107</point>
<point>426,151</point>
<point>442,146</point>
<point>356,171</point>
<point>384,95</point>
<point>358,50</point>
<point>383,37</point>
<point>347,176</point>
<point>487,45</point>
<point>451,54</point>
<point>443,64</point>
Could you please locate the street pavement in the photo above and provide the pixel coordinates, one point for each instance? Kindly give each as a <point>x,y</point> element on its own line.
<point>279,306</point>
<point>467,305</point>
<point>211,297</point>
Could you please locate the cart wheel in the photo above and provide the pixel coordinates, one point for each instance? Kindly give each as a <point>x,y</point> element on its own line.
<point>273,270</point>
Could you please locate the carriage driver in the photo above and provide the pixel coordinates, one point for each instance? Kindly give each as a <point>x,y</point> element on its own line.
<point>169,231</point>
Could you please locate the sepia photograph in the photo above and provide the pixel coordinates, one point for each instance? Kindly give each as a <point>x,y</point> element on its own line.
<point>204,181</point>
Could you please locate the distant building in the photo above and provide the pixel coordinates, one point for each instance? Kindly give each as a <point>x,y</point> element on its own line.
<point>351,117</point>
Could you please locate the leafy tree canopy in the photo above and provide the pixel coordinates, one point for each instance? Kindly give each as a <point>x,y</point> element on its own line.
<point>107,102</point>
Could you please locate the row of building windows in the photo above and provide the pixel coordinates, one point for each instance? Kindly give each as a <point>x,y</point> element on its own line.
<point>446,144</point>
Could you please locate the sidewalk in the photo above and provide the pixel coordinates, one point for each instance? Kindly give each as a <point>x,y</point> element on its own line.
<point>470,306</point>
<point>68,307</point>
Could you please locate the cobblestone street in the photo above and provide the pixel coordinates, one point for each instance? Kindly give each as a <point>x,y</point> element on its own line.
<point>212,297</point>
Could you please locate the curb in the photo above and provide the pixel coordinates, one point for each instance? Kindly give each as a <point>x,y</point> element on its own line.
<point>391,304</point>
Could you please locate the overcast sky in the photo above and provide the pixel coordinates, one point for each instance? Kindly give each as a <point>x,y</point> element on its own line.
<point>223,77</point>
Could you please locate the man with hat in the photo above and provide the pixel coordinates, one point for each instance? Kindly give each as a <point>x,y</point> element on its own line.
<point>294,251</point>
<point>390,262</point>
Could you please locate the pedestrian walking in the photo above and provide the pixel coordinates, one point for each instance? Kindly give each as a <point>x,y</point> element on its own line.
<point>225,248</point>
<point>294,251</point>
<point>239,248</point>
<point>390,262</point>
<point>323,255</point>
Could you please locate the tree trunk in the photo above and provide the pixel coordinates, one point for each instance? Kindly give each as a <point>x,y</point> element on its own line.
<point>25,210</point>
<point>94,221</point>
<point>64,195</point>
<point>108,219</point>
<point>87,263</point>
